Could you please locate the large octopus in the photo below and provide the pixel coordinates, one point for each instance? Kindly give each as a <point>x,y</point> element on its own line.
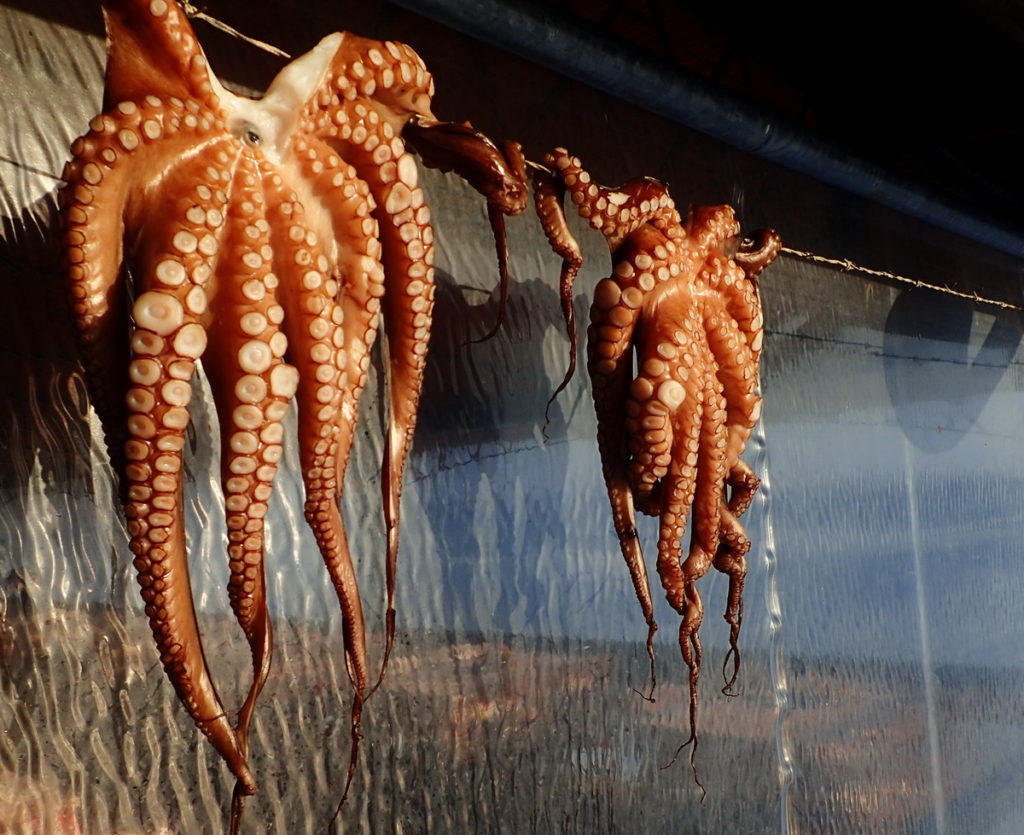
<point>682,308</point>
<point>263,237</point>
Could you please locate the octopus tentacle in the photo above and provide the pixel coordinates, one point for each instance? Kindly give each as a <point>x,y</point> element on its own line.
<point>730,559</point>
<point>614,314</point>
<point>739,296</point>
<point>174,64</point>
<point>549,194</point>
<point>353,236</point>
<point>676,496</point>
<point>711,473</point>
<point>168,339</point>
<point>509,199</point>
<point>312,322</point>
<point>406,241</point>
<point>408,252</point>
<point>706,511</point>
<point>98,291</point>
<point>244,364</point>
<point>692,652</point>
<point>664,395</point>
<point>401,89</point>
<point>615,212</point>
<point>757,252</point>
<point>498,174</point>
<point>358,287</point>
<point>97,206</point>
<point>735,363</point>
<point>742,482</point>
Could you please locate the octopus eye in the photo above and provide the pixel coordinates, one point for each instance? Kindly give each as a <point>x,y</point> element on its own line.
<point>248,133</point>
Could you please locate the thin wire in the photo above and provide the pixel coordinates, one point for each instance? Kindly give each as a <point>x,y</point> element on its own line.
<point>849,266</point>
<point>192,11</point>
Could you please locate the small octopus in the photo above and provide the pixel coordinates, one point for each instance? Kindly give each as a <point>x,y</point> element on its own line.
<point>674,345</point>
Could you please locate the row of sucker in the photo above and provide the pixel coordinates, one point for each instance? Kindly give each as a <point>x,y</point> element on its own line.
<point>365,132</point>
<point>174,265</point>
<point>316,320</point>
<point>118,146</point>
<point>251,385</point>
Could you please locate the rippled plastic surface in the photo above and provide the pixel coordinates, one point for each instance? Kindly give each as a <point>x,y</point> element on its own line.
<point>882,687</point>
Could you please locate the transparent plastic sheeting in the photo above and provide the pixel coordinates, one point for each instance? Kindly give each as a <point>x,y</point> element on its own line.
<point>882,687</point>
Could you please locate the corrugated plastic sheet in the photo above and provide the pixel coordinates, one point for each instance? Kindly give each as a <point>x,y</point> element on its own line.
<point>882,687</point>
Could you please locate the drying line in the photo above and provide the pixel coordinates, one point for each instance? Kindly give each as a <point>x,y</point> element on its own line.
<point>846,265</point>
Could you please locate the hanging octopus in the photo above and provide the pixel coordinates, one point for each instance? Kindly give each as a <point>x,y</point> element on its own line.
<point>264,240</point>
<point>674,345</point>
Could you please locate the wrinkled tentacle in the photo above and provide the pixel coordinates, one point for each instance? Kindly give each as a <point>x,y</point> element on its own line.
<point>738,295</point>
<point>499,174</point>
<point>731,560</point>
<point>614,314</point>
<point>692,652</point>
<point>743,484</point>
<point>407,256</point>
<point>307,292</point>
<point>496,219</point>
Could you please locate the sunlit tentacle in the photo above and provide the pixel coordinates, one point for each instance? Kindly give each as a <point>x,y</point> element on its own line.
<point>175,65</point>
<point>352,237</point>
<point>246,346</point>
<point>168,339</point>
<point>615,212</point>
<point>119,150</point>
<point>614,315</point>
<point>366,132</point>
<point>407,256</point>
<point>312,322</point>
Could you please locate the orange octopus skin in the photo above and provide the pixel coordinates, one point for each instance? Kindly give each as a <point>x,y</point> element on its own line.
<point>674,347</point>
<point>262,239</point>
